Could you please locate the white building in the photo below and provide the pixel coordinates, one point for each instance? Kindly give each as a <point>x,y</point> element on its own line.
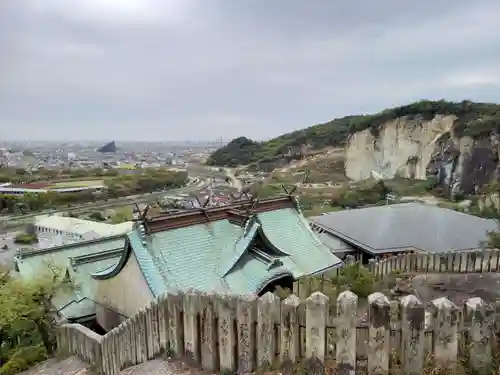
<point>65,229</point>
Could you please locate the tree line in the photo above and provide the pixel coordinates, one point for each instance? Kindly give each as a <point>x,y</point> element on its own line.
<point>22,175</point>
<point>119,186</point>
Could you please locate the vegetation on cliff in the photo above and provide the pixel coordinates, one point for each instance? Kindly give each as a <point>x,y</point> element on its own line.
<point>473,119</point>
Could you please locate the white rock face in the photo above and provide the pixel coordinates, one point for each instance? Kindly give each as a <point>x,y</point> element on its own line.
<point>403,148</point>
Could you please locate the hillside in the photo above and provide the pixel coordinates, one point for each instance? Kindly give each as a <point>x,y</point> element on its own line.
<point>472,119</point>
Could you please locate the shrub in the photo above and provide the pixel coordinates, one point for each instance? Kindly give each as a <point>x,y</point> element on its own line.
<point>25,238</point>
<point>357,279</point>
<point>97,216</point>
<point>23,358</point>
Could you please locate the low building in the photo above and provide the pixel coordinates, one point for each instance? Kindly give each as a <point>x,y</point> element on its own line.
<point>243,248</point>
<point>40,188</point>
<point>78,261</point>
<point>70,229</point>
<point>248,247</point>
<point>406,227</point>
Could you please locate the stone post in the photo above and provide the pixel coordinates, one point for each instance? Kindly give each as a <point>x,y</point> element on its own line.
<point>268,314</point>
<point>120,343</point>
<point>481,317</point>
<point>113,352</point>
<point>106,355</point>
<point>471,261</point>
<point>175,325</point>
<point>347,305</point>
<point>437,262</point>
<point>290,330</point>
<point>379,333</point>
<point>209,354</point>
<point>130,356</point>
<point>133,340</point>
<point>486,260</point>
<point>140,336</point>
<point>425,262</point>
<point>246,311</point>
<point>445,319</point>
<point>191,303</point>
<point>156,306</point>
<point>350,260</point>
<point>226,308</point>
<point>412,335</point>
<point>149,329</point>
<point>494,260</point>
<point>399,262</point>
<point>316,318</point>
<point>371,266</point>
<point>163,322</point>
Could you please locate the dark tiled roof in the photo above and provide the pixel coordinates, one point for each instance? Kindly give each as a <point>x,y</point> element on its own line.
<point>405,226</point>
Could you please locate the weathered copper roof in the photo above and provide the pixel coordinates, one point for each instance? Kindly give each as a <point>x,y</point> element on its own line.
<point>237,211</point>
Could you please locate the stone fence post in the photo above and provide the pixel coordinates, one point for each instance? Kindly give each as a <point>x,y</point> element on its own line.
<point>412,335</point>
<point>268,314</point>
<point>481,318</point>
<point>316,317</point>
<point>246,311</point>
<point>379,334</point>
<point>347,305</point>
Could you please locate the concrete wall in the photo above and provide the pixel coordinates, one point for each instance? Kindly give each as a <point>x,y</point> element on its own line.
<point>121,296</point>
<point>223,334</point>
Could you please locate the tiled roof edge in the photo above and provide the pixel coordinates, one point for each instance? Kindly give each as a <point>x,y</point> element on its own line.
<point>25,253</point>
<point>90,258</point>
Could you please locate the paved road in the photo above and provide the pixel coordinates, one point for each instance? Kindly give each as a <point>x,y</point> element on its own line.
<point>235,182</point>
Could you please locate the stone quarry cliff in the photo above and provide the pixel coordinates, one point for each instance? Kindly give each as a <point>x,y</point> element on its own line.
<point>410,147</point>
<point>455,141</point>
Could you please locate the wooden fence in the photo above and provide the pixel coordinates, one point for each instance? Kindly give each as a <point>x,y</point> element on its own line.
<point>487,260</point>
<point>472,261</point>
<point>225,333</point>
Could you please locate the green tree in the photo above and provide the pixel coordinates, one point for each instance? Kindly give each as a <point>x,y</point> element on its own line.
<point>26,238</point>
<point>27,318</point>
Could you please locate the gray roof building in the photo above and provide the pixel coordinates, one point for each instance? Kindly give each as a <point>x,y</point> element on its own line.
<point>405,227</point>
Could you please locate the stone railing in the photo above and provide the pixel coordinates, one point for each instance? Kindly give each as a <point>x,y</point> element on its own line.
<point>245,333</point>
<point>487,260</point>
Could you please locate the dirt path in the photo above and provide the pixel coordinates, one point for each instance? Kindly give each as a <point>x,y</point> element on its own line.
<point>68,366</point>
<point>74,366</point>
<point>457,287</point>
<point>236,182</point>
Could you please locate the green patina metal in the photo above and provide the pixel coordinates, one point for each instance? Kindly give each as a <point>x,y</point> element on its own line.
<point>220,256</point>
<point>216,256</point>
<point>78,261</point>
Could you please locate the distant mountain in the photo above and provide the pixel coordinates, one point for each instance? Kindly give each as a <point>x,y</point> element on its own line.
<point>108,148</point>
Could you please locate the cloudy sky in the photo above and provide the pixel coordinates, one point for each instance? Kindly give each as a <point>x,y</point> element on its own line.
<point>204,69</point>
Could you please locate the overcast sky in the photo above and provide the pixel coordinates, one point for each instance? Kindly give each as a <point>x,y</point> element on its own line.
<point>204,69</point>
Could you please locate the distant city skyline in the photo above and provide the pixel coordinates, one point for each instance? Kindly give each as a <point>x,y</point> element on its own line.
<point>198,70</point>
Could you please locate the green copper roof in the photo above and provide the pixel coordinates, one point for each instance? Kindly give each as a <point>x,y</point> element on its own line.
<point>80,260</point>
<point>30,263</point>
<point>222,256</point>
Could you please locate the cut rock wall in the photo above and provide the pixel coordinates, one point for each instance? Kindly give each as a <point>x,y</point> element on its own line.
<point>414,148</point>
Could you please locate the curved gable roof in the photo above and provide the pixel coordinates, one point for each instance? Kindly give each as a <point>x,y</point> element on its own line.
<point>253,229</point>
<point>218,255</point>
